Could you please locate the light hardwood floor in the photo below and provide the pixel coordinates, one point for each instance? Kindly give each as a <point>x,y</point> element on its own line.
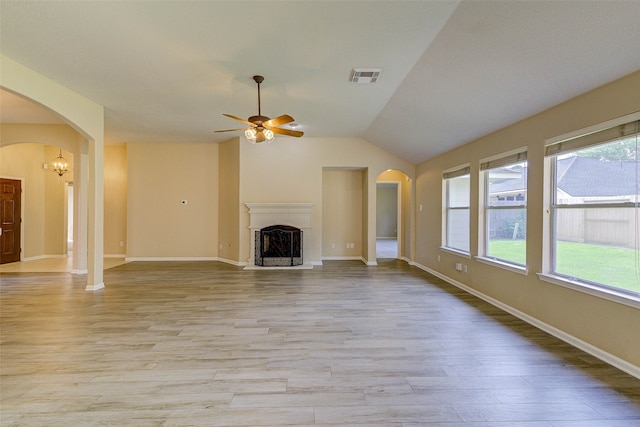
<point>208,344</point>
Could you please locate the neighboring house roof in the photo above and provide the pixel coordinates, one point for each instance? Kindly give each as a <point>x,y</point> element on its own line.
<point>511,185</point>
<point>584,177</point>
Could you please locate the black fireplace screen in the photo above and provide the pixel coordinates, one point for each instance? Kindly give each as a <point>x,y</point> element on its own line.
<point>278,245</point>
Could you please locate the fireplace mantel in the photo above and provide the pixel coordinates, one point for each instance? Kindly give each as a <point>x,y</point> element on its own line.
<point>263,215</point>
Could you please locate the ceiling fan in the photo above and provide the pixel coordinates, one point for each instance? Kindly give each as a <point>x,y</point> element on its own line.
<point>263,128</point>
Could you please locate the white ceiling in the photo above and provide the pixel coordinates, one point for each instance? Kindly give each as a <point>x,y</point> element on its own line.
<point>453,71</point>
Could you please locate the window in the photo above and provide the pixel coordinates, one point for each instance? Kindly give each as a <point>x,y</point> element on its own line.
<point>594,221</point>
<point>456,226</point>
<point>505,208</point>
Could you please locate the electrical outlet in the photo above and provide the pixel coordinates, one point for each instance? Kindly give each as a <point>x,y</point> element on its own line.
<point>458,266</point>
<point>464,268</point>
<point>121,243</point>
<point>220,245</point>
<point>333,246</point>
<point>438,258</point>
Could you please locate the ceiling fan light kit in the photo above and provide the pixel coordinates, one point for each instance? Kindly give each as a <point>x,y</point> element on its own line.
<point>263,128</point>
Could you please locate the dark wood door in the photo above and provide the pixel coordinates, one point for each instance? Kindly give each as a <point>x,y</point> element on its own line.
<point>10,220</point>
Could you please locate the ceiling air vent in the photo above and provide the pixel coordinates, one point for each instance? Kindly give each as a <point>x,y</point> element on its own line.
<point>365,75</point>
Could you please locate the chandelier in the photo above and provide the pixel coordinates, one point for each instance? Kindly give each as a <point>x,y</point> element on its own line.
<point>60,165</point>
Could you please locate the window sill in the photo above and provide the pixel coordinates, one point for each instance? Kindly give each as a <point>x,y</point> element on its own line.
<point>455,252</point>
<point>608,294</point>
<point>515,268</point>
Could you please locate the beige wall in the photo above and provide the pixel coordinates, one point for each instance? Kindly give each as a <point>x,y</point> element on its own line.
<point>342,213</point>
<point>228,201</point>
<point>604,324</point>
<point>387,210</point>
<point>291,170</point>
<point>55,204</point>
<point>160,176</point>
<point>115,199</point>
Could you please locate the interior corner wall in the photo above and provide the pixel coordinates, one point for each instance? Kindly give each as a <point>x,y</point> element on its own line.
<point>115,199</point>
<point>341,213</point>
<point>160,176</point>
<point>609,326</point>
<point>291,170</point>
<point>229,201</point>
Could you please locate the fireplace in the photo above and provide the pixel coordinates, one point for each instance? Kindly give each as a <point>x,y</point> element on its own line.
<point>278,245</point>
<point>288,227</point>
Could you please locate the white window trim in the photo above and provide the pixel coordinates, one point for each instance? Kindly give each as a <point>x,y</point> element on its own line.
<point>595,290</point>
<point>497,262</point>
<point>455,251</point>
<point>483,239</point>
<point>445,208</point>
<point>602,291</point>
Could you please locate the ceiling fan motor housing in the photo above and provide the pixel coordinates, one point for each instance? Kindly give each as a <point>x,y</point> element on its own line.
<point>258,120</point>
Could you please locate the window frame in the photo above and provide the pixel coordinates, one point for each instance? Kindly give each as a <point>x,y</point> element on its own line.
<point>447,176</point>
<point>551,208</point>
<point>506,159</point>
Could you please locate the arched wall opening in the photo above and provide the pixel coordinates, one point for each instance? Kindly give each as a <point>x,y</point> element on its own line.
<point>87,118</point>
<point>394,215</point>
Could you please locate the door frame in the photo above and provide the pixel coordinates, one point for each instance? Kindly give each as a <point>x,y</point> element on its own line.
<point>22,207</point>
<point>399,234</point>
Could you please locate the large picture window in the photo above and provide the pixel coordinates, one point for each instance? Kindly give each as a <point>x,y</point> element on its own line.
<point>594,223</point>
<point>505,208</point>
<point>456,216</point>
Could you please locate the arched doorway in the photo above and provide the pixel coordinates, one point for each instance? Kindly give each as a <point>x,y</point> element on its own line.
<point>393,197</point>
<point>86,118</point>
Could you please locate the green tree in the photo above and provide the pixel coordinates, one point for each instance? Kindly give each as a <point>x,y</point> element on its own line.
<point>623,150</point>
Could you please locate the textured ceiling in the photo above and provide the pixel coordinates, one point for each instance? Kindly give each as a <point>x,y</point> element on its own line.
<point>452,71</point>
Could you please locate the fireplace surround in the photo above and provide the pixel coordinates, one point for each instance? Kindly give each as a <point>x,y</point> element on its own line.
<point>292,216</point>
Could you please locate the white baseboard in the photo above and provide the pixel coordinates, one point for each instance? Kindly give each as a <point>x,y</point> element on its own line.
<point>96,287</point>
<point>342,258</point>
<point>37,257</point>
<point>114,256</point>
<point>609,358</point>
<point>232,262</point>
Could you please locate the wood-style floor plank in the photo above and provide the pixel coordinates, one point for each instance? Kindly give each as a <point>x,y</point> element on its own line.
<point>209,344</point>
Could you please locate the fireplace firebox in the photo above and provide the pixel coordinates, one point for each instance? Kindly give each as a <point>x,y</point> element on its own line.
<point>278,245</point>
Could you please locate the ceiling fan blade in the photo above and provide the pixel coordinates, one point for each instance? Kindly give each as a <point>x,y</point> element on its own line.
<point>231,130</point>
<point>281,120</point>
<point>288,132</point>
<point>240,120</point>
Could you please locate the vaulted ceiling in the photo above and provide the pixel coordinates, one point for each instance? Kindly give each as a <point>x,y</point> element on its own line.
<point>452,71</point>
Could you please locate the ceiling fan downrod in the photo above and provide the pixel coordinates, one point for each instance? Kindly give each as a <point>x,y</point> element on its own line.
<point>258,79</point>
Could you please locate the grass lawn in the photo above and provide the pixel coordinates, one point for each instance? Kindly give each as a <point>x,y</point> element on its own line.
<point>619,267</point>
